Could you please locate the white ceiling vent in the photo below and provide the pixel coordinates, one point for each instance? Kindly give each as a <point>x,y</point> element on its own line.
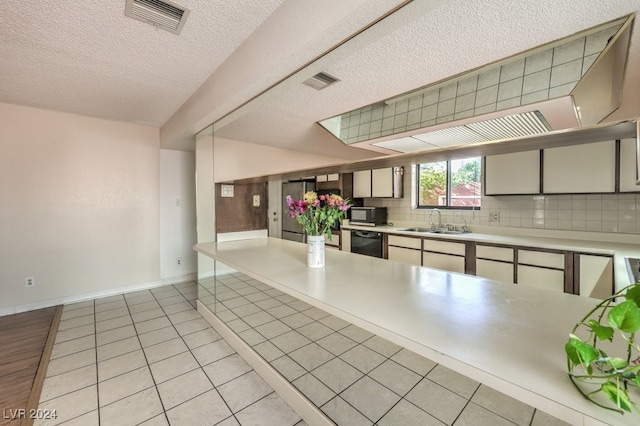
<point>320,80</point>
<point>161,14</point>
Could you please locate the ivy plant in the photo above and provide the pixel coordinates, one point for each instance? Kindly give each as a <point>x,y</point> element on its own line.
<point>603,358</point>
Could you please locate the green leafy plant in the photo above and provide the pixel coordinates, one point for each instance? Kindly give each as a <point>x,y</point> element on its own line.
<point>591,368</point>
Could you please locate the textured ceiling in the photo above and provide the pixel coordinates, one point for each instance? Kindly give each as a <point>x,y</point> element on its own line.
<point>88,58</point>
<point>418,46</point>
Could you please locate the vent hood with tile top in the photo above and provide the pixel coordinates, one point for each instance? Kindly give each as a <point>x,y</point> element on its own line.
<point>571,83</point>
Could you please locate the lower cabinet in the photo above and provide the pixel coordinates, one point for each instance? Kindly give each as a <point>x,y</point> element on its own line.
<point>334,243</point>
<point>495,263</point>
<point>405,255</point>
<point>494,270</point>
<point>548,279</point>
<point>446,262</point>
<point>541,269</point>
<point>595,277</point>
<point>405,249</point>
<point>445,255</point>
<point>346,240</point>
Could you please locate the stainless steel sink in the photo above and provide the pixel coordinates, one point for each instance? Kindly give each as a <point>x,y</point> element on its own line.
<point>633,268</point>
<point>415,229</point>
<point>431,231</point>
<point>446,231</point>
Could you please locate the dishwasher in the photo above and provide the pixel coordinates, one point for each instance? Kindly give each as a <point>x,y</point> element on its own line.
<point>368,243</point>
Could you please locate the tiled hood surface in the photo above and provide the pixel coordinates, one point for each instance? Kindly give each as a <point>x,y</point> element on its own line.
<point>573,82</point>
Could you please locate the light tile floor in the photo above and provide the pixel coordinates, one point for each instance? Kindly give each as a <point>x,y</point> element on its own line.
<point>149,358</point>
<point>352,375</point>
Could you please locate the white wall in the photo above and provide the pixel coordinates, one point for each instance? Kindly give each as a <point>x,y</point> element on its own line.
<point>240,160</point>
<point>79,205</point>
<point>177,213</point>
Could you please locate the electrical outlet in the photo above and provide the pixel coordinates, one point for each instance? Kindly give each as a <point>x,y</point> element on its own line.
<point>179,261</point>
<point>29,282</point>
<point>494,217</point>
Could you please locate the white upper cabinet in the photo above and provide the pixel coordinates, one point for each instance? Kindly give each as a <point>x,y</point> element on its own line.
<point>382,182</point>
<point>580,168</point>
<point>515,173</point>
<point>362,184</point>
<point>628,166</point>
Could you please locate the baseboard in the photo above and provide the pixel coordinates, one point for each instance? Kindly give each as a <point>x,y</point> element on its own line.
<point>298,402</point>
<point>96,294</point>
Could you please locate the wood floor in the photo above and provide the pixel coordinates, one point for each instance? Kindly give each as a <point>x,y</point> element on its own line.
<point>22,341</point>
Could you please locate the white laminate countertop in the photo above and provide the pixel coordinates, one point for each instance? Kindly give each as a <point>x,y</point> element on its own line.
<point>508,337</point>
<point>618,246</point>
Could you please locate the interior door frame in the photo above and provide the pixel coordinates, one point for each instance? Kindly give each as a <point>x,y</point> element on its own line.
<point>275,208</point>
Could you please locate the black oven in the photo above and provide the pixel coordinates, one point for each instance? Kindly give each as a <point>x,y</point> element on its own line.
<point>368,243</point>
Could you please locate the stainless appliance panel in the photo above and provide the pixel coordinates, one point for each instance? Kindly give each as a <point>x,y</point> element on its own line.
<point>290,228</point>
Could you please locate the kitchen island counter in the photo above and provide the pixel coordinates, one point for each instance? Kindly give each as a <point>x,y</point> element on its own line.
<point>508,337</point>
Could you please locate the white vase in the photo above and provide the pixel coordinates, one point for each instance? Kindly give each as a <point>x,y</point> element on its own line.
<point>315,251</point>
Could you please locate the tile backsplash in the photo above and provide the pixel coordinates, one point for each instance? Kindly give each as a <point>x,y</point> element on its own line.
<point>582,212</point>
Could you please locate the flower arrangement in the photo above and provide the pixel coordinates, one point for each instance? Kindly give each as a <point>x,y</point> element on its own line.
<point>317,214</point>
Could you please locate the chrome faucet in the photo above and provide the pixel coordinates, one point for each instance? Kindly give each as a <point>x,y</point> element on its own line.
<point>439,217</point>
<point>465,228</point>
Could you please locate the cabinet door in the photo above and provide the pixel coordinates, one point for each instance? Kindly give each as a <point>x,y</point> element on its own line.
<point>382,182</point>
<point>321,178</point>
<point>404,255</point>
<point>498,271</point>
<point>406,242</point>
<point>516,173</point>
<point>362,184</point>
<point>547,279</point>
<point>445,262</point>
<point>580,168</point>
<point>628,166</point>
<point>346,240</point>
<point>596,276</point>
<point>333,177</point>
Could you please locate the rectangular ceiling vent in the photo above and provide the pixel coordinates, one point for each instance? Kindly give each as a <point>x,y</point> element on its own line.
<point>320,81</point>
<point>161,14</point>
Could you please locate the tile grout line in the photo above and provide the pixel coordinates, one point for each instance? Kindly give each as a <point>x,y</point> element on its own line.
<point>155,385</point>
<point>95,347</point>
<point>199,367</point>
<point>333,331</point>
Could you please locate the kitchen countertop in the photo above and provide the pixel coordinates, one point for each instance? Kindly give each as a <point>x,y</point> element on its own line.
<point>508,337</point>
<point>619,246</point>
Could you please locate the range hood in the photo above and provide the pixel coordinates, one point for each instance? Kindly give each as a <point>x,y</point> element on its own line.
<point>571,83</point>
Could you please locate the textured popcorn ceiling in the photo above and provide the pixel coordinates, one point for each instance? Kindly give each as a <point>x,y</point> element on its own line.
<point>88,58</point>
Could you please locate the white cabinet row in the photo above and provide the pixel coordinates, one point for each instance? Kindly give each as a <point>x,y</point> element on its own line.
<point>576,169</point>
<point>581,273</point>
<point>382,183</point>
<point>448,256</point>
<point>328,178</point>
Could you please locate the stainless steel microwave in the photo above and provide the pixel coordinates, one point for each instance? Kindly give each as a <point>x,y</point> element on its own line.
<point>369,216</point>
